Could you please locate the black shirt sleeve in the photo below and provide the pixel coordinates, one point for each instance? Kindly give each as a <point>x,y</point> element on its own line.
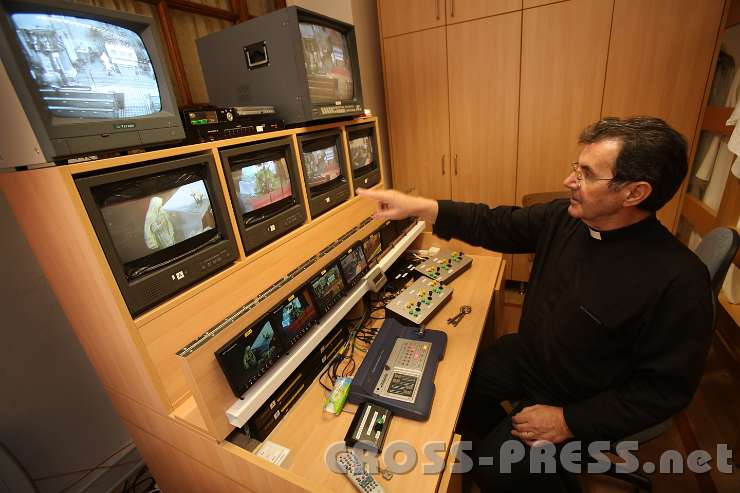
<point>669,358</point>
<point>505,229</point>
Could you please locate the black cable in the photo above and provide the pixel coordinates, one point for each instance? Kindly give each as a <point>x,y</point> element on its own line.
<point>94,468</point>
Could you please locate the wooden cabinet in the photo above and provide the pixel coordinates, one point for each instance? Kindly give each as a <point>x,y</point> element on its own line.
<point>561,90</point>
<point>483,74</point>
<point>520,85</point>
<point>405,16</point>
<point>465,10</point>
<point>416,95</point>
<point>660,55</point>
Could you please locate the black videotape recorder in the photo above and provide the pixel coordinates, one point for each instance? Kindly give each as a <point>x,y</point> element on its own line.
<point>206,123</point>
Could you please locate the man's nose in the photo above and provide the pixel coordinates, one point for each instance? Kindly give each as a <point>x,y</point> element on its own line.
<point>571,182</point>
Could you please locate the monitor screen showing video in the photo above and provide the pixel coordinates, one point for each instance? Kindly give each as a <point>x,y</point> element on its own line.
<point>371,246</point>
<point>361,152</point>
<point>294,315</point>
<point>85,68</point>
<point>244,357</point>
<point>327,286</point>
<point>322,166</point>
<point>141,224</point>
<point>353,264</point>
<point>328,63</point>
<point>262,184</point>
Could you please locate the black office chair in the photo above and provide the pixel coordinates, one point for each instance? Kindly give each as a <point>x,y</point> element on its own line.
<point>717,250</point>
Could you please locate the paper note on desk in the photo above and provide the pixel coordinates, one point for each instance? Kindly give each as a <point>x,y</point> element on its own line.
<point>272,452</point>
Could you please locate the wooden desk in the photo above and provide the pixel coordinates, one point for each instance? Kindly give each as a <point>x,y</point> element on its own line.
<point>307,431</point>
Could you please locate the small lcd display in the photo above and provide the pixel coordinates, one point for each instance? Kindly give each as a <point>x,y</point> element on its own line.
<point>328,64</point>
<point>371,246</point>
<point>322,166</point>
<point>262,184</point>
<point>142,225</point>
<point>244,357</point>
<point>294,315</point>
<point>361,152</point>
<point>353,264</point>
<point>327,286</point>
<point>85,68</point>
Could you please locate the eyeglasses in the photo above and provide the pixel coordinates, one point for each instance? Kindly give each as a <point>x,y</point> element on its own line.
<point>581,177</point>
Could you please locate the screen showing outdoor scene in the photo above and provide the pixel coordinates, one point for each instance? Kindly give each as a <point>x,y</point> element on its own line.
<point>328,286</point>
<point>294,314</point>
<point>353,264</point>
<point>321,166</point>
<point>87,69</point>
<point>361,152</point>
<point>328,65</point>
<point>144,225</point>
<point>262,184</point>
<point>252,351</point>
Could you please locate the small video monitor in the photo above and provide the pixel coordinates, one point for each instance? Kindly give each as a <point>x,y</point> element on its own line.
<point>353,265</point>
<point>371,246</point>
<point>324,170</point>
<point>295,316</point>
<point>247,356</point>
<point>327,287</point>
<point>363,154</point>
<point>388,234</point>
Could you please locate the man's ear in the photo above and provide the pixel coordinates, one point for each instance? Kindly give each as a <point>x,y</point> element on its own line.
<point>637,193</point>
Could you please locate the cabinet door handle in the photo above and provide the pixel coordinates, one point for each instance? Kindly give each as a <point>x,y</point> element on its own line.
<point>437,9</point>
<point>452,9</point>
<point>455,164</point>
<point>443,164</point>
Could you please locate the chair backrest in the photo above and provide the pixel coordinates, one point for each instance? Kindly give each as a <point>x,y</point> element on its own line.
<point>716,250</point>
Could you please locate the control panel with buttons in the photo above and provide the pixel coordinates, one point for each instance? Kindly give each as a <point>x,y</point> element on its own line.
<point>419,301</point>
<point>445,265</point>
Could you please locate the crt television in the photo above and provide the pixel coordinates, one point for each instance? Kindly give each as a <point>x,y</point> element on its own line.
<point>303,63</point>
<point>82,80</point>
<point>163,226</point>
<point>324,170</point>
<point>363,154</point>
<point>249,354</point>
<point>265,189</point>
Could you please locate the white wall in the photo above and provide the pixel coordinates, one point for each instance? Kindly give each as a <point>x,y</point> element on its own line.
<point>55,416</point>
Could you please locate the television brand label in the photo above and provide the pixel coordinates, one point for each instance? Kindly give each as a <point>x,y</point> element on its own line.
<point>123,126</point>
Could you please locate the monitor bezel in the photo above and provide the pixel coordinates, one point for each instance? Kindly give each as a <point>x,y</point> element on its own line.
<point>60,128</point>
<point>306,291</point>
<point>240,383</point>
<point>317,139</point>
<point>348,30</point>
<point>217,255</point>
<point>324,308</point>
<point>347,283</point>
<point>362,130</point>
<point>259,153</point>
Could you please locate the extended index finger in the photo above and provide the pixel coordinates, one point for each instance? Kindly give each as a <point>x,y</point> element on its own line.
<point>372,194</point>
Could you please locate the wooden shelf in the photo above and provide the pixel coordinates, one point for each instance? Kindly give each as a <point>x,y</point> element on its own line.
<point>715,118</point>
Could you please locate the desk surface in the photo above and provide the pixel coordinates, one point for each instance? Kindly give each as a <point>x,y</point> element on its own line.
<point>307,431</point>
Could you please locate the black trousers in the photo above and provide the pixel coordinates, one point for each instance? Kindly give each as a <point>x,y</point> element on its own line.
<point>497,377</point>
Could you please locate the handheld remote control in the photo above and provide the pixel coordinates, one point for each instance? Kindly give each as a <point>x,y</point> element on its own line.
<point>355,471</point>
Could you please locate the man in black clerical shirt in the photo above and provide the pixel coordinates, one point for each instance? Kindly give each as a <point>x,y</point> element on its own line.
<point>616,323</point>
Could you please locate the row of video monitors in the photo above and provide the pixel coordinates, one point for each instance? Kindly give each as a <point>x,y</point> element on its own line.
<point>164,225</point>
<point>249,354</point>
